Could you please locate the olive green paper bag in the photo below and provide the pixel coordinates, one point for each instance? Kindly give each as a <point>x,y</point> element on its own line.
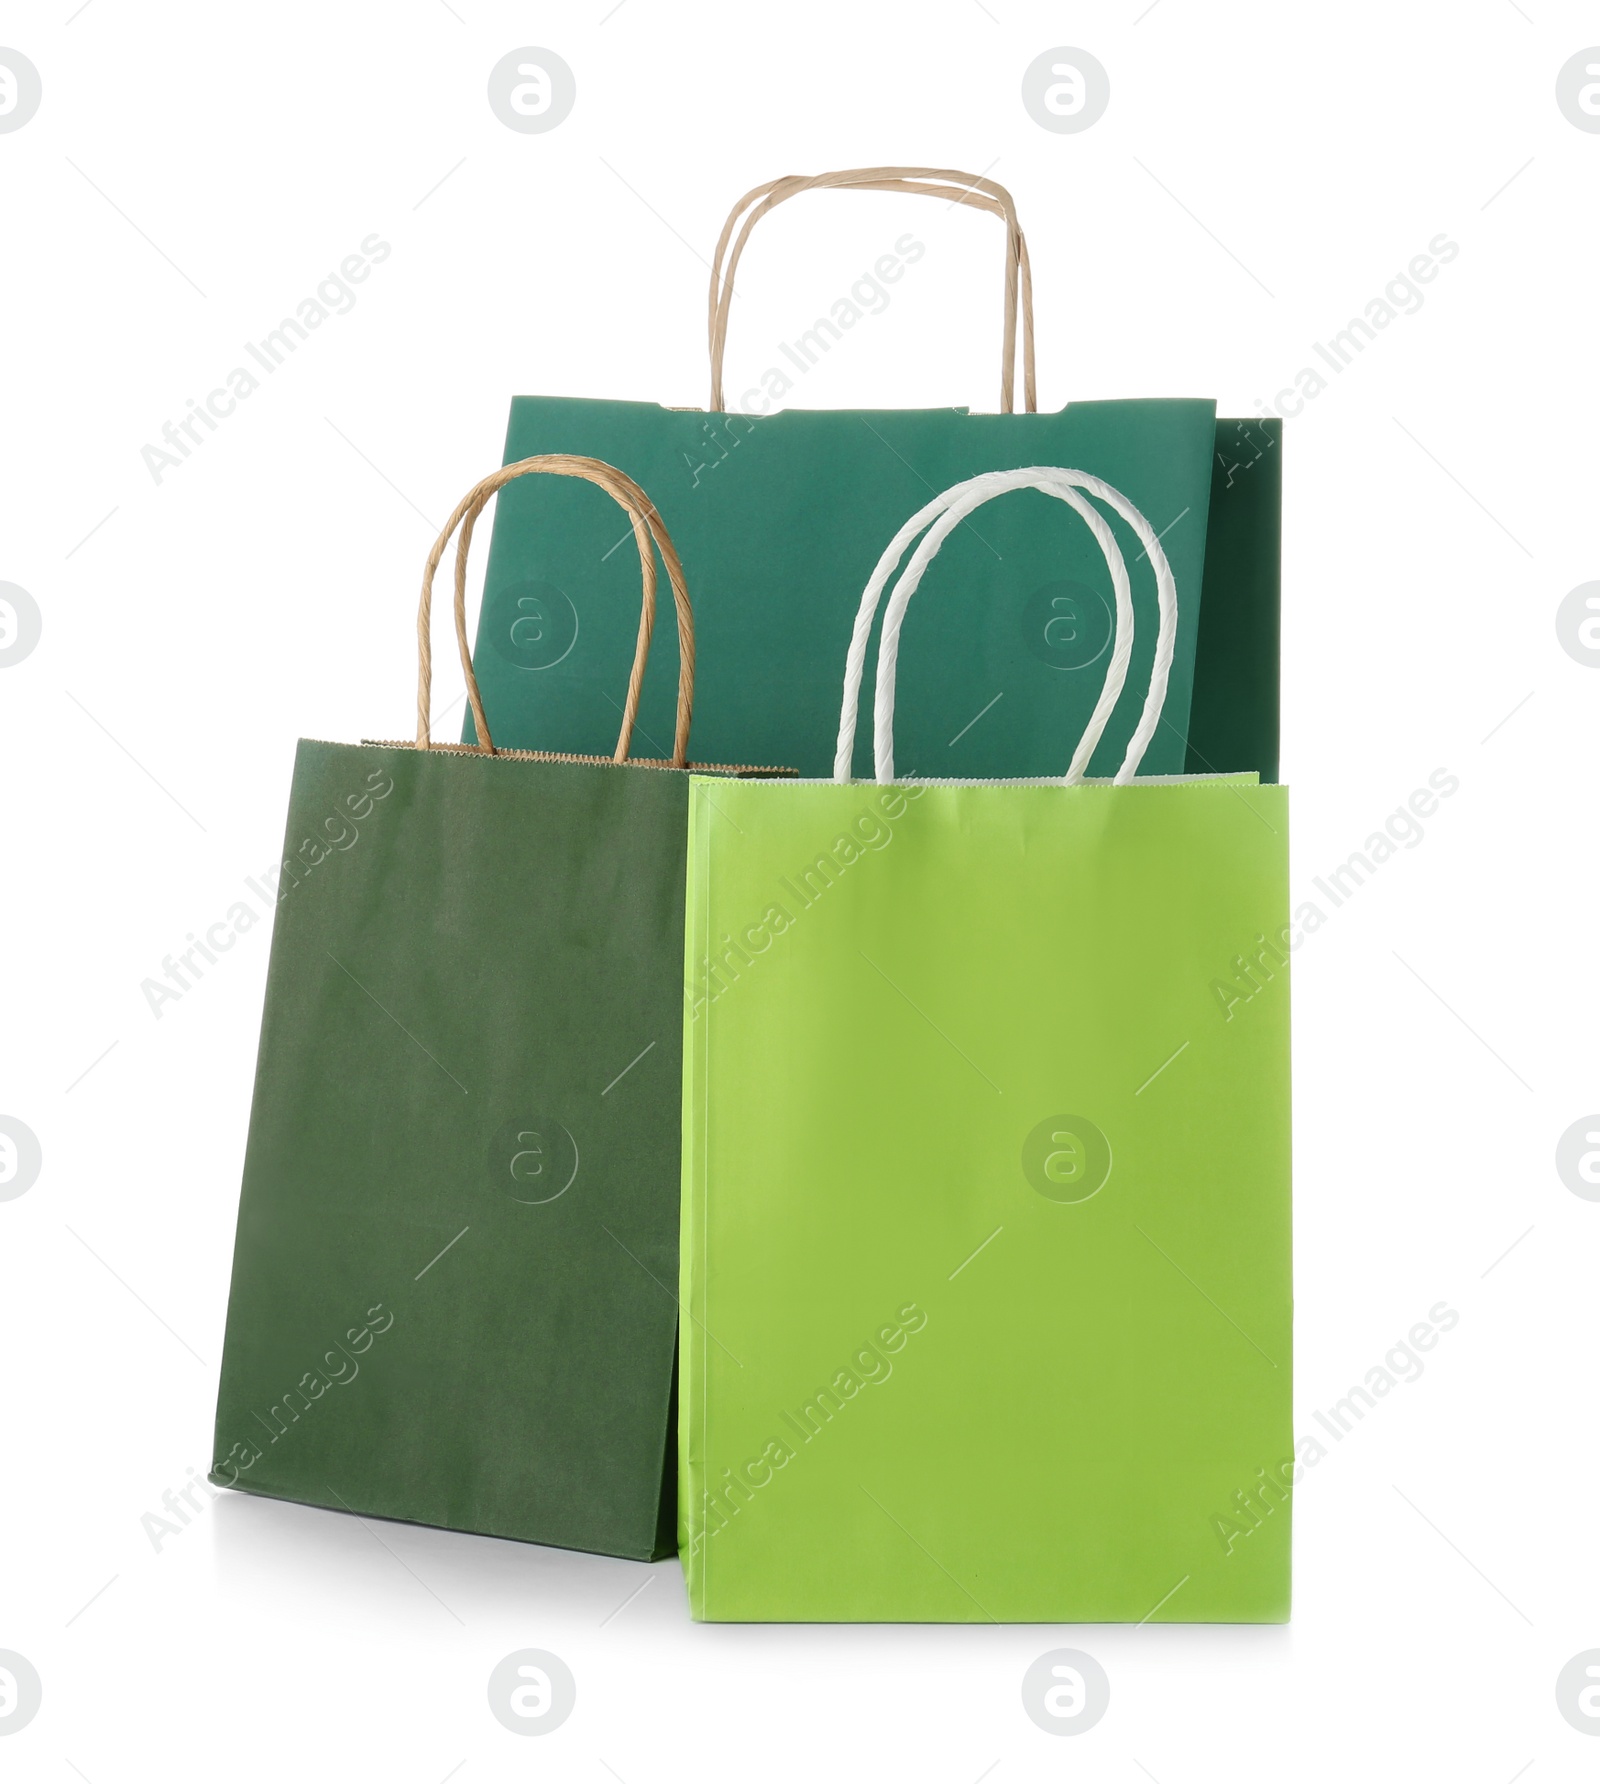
<point>453,1281</point>
<point>986,1226</point>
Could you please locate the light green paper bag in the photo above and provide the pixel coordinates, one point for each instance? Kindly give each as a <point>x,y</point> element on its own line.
<point>986,1255</point>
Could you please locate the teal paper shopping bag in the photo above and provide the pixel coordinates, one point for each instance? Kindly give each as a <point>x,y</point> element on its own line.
<point>986,1227</point>
<point>780,512</point>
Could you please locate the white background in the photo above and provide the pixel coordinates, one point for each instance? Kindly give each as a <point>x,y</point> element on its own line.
<point>1262,171</point>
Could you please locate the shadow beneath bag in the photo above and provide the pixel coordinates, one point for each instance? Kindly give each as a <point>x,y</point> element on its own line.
<point>272,1552</point>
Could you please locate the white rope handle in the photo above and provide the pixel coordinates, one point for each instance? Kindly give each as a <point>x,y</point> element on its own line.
<point>948,511</point>
<point>894,616</point>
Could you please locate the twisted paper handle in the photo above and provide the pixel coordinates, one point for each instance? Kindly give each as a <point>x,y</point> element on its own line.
<point>647,526</point>
<point>931,182</point>
<point>946,512</point>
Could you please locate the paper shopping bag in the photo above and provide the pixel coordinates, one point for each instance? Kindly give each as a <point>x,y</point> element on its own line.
<point>986,1247</point>
<point>453,1283</point>
<point>781,511</point>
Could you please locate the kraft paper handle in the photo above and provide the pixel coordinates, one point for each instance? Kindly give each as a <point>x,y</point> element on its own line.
<point>931,182</point>
<point>946,512</point>
<point>647,526</point>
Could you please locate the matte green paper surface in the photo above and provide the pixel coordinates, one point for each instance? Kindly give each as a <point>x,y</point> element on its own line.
<point>935,1369</point>
<point>452,1288</point>
<point>780,520</point>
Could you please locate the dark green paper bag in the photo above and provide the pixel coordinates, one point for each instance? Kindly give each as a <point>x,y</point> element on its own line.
<point>781,516</point>
<point>456,1259</point>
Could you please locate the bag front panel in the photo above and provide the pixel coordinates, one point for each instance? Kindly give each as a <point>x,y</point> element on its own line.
<point>986,1257</point>
<point>457,1235</point>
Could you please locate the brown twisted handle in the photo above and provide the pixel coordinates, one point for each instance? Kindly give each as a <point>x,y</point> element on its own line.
<point>647,526</point>
<point>932,182</point>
